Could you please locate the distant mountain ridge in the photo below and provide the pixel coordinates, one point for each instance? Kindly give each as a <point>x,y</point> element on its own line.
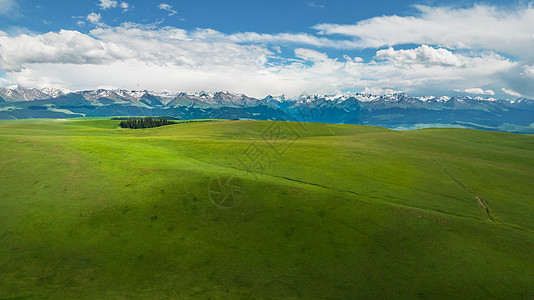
<point>19,93</point>
<point>398,111</point>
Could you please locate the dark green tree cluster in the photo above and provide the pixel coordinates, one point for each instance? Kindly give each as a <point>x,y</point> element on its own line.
<point>145,123</point>
<point>140,118</point>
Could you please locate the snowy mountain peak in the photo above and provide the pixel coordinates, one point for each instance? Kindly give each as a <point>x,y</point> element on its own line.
<point>19,93</point>
<point>53,92</point>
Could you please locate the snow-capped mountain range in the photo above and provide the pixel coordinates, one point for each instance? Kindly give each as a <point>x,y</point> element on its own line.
<point>19,93</point>
<point>393,110</point>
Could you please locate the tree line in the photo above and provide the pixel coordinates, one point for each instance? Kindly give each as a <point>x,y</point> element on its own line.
<point>140,118</point>
<point>149,122</point>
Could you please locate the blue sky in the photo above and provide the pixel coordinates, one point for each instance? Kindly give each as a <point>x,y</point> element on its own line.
<point>482,48</point>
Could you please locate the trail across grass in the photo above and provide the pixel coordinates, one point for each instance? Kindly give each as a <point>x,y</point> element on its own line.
<point>90,210</point>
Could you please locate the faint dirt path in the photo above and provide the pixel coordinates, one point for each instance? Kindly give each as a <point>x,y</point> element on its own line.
<point>484,205</point>
<point>480,200</point>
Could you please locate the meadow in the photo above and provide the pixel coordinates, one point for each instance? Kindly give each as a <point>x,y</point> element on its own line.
<point>258,209</point>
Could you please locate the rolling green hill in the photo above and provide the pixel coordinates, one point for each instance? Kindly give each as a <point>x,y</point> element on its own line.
<point>268,210</point>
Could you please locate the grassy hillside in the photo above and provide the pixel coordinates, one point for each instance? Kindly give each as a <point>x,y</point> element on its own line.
<point>90,210</point>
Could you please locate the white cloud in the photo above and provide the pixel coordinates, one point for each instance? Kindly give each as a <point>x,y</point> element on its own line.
<point>167,7</point>
<point>528,71</point>
<point>94,18</point>
<point>9,8</point>
<point>107,4</point>
<point>355,59</point>
<point>479,91</point>
<point>125,6</point>
<point>379,91</point>
<point>172,46</point>
<point>165,58</point>
<point>477,27</point>
<point>424,55</point>
<point>471,34</point>
<point>142,56</point>
<point>511,93</point>
<point>310,55</point>
<point>276,39</point>
<point>455,49</point>
<point>287,38</point>
<point>64,47</point>
<point>314,5</point>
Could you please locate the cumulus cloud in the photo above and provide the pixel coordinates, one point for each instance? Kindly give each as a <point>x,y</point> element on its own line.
<point>511,93</point>
<point>479,91</point>
<point>166,58</point>
<point>173,46</point>
<point>167,7</point>
<point>64,47</point>
<point>477,27</point>
<point>107,4</point>
<point>424,55</point>
<point>94,18</point>
<point>454,50</point>
<point>125,6</point>
<point>144,56</point>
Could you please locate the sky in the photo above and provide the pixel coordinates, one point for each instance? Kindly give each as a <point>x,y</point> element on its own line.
<point>259,48</point>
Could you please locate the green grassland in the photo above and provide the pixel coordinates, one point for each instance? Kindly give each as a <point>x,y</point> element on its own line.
<point>89,210</point>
